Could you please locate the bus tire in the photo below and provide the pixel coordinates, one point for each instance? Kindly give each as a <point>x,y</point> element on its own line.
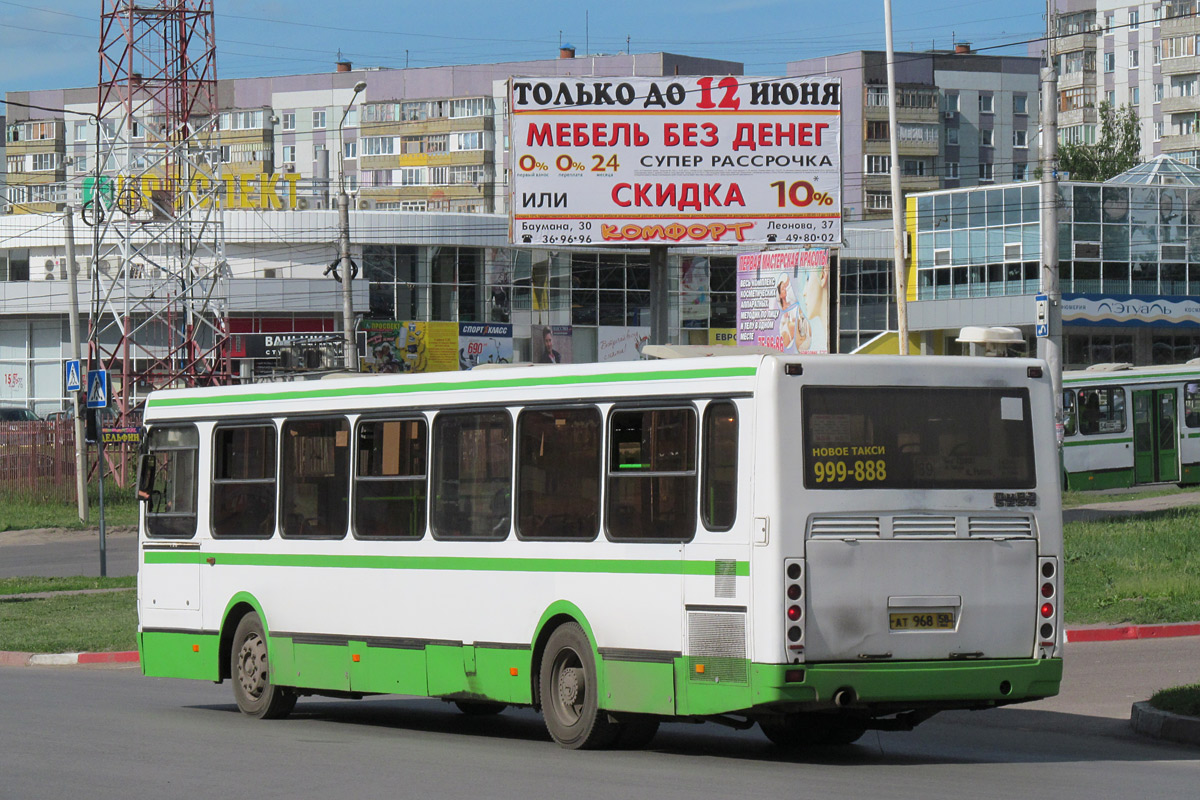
<point>636,733</point>
<point>256,696</point>
<point>569,692</point>
<point>795,731</point>
<point>479,708</point>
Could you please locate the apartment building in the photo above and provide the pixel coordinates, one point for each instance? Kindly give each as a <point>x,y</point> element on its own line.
<point>428,139</point>
<point>964,119</point>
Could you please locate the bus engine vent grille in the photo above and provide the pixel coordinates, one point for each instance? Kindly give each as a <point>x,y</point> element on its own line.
<point>717,647</point>
<point>725,578</point>
<point>1000,526</point>
<point>844,526</point>
<point>924,526</point>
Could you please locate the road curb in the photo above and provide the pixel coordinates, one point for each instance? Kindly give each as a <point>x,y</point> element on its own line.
<point>1127,632</point>
<point>1150,721</point>
<point>18,659</point>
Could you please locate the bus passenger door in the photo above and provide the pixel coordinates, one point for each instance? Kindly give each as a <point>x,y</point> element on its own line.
<point>1144,459</point>
<point>1155,442</point>
<point>1168,438</point>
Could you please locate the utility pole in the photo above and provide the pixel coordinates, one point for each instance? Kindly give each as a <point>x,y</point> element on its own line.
<point>659,298</point>
<point>77,417</point>
<point>897,208</point>
<point>350,359</point>
<point>1050,345</point>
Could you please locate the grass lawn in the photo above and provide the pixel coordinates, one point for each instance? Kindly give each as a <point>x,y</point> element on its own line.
<point>23,513</point>
<point>70,623</point>
<point>1180,700</point>
<point>11,586</point>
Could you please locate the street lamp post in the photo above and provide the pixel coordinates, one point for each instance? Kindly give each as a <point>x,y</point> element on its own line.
<point>350,360</point>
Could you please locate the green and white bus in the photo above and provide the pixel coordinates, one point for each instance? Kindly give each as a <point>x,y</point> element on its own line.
<point>1126,426</point>
<point>819,545</point>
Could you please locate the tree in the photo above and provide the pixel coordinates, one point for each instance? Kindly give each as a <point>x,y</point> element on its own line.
<point>1118,149</point>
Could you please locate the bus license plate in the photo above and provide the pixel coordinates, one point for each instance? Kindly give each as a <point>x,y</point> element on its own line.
<point>922,621</point>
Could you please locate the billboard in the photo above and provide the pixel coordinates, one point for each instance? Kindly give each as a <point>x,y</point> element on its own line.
<point>783,300</point>
<point>677,160</point>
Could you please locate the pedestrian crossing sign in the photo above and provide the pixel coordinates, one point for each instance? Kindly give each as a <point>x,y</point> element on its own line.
<point>74,384</point>
<point>97,388</point>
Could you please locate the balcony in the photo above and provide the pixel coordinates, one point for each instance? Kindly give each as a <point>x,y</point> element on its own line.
<point>1179,26</point>
<point>1078,116</point>
<point>1077,80</point>
<point>1186,141</point>
<point>1188,65</point>
<point>905,114</point>
<point>1078,41</point>
<point>1179,105</point>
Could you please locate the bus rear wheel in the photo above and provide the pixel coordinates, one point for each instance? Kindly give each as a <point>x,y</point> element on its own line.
<point>256,696</point>
<point>795,731</point>
<point>569,692</point>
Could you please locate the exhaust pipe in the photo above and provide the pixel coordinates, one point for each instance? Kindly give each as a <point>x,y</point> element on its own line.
<point>844,697</point>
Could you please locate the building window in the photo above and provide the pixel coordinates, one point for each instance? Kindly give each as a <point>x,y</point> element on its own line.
<point>289,120</point>
<point>379,146</point>
<point>1133,20</point>
<point>1158,92</point>
<point>289,154</point>
<point>350,150</point>
<point>877,130</point>
<point>413,205</point>
<point>1111,97</point>
<point>1110,62</point>
<point>985,171</point>
<point>879,201</point>
<point>986,137</point>
<point>1020,104</point>
<point>1178,47</point>
<point>81,131</point>
<point>1020,172</point>
<point>950,101</point>
<point>879,165</point>
<point>1158,131</point>
<point>986,103</point>
<point>318,119</point>
<point>351,117</point>
<point>1135,95</point>
<point>44,162</point>
<point>411,176</point>
<point>1020,138</point>
<point>951,135</point>
<point>1133,58</point>
<point>952,170</point>
<point>1158,54</point>
<point>914,167</point>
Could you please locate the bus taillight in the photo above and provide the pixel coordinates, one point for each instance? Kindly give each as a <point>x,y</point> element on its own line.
<point>794,589</point>
<point>1047,591</point>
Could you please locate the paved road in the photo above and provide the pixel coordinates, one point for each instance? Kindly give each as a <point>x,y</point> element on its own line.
<point>60,553</point>
<point>110,733</point>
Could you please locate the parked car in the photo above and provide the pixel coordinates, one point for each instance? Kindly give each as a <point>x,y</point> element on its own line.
<point>17,414</point>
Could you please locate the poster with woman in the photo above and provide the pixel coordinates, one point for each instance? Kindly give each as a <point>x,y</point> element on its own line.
<point>783,300</point>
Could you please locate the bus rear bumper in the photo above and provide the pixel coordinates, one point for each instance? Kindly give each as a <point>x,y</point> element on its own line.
<point>907,684</point>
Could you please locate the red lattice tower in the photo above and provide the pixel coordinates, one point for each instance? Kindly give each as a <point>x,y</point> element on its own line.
<point>159,273</point>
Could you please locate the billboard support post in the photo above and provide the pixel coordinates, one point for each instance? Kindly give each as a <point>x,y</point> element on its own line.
<point>660,304</point>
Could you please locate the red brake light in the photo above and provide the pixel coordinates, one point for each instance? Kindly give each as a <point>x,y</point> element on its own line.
<point>1047,589</point>
<point>793,613</point>
<point>1047,610</point>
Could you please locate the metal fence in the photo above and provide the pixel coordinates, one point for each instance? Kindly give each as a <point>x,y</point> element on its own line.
<point>37,461</point>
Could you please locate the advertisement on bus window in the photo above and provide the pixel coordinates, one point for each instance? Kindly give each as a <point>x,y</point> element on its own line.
<point>783,300</point>
<point>675,160</point>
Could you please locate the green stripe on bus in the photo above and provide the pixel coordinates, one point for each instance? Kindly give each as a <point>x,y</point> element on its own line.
<point>446,386</point>
<point>624,566</point>
<point>1083,442</point>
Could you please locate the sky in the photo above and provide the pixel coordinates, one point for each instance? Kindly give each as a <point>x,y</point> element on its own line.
<point>53,44</point>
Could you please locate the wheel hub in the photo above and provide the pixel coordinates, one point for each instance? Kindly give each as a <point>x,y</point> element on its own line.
<point>252,673</point>
<point>569,686</point>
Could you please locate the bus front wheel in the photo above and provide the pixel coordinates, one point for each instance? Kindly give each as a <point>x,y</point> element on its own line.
<point>569,692</point>
<point>256,696</point>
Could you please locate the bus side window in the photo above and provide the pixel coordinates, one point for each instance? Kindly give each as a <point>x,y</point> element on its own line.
<point>1068,413</point>
<point>390,485</point>
<point>243,485</point>
<point>472,475</point>
<point>172,453</point>
<point>315,478</point>
<point>718,483</point>
<point>1191,405</point>
<point>652,475</point>
<point>558,473</point>
<point>1101,411</point>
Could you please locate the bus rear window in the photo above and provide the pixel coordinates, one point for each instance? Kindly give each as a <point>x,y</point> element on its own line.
<point>917,438</point>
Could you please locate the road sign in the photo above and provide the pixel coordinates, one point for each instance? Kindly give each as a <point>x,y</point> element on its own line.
<point>97,388</point>
<point>1041,316</point>
<point>74,384</point>
<point>1042,330</point>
